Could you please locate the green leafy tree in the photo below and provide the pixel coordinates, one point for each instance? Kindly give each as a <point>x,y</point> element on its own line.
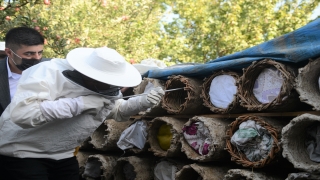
<point>200,31</point>
<point>130,27</point>
<point>205,30</point>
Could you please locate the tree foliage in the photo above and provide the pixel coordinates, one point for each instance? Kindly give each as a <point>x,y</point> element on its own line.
<point>200,31</point>
<point>205,30</point>
<point>130,27</point>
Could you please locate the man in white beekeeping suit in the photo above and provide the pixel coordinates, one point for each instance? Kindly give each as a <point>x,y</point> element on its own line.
<point>58,104</point>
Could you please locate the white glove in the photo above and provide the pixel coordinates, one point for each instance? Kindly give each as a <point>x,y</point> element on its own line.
<point>134,105</point>
<point>153,98</point>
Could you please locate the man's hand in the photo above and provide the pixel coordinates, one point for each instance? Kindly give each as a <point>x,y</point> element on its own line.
<point>155,96</point>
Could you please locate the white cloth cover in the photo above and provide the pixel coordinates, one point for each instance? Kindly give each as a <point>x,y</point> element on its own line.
<point>253,140</point>
<point>268,85</point>
<point>198,137</point>
<point>222,91</point>
<point>24,130</point>
<point>149,64</point>
<point>134,136</point>
<point>165,170</point>
<point>313,143</point>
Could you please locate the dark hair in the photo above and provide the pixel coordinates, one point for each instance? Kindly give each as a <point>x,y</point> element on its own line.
<point>18,36</point>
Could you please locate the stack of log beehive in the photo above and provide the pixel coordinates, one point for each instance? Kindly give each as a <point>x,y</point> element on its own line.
<point>286,118</point>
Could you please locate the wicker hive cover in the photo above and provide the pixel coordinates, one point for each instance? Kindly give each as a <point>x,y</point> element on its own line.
<point>106,136</point>
<point>146,84</point>
<point>216,149</point>
<point>201,171</point>
<point>293,143</point>
<point>307,84</point>
<point>186,101</point>
<point>287,99</point>
<point>134,168</point>
<point>99,166</point>
<point>176,126</point>
<point>237,174</point>
<point>274,129</point>
<point>234,106</point>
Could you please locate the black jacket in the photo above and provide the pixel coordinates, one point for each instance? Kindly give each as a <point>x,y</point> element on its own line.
<point>4,84</point>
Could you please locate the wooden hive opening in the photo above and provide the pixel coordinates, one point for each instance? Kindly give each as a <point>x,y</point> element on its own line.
<point>185,101</point>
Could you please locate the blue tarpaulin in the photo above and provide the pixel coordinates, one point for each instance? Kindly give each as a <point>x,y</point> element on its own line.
<point>295,47</point>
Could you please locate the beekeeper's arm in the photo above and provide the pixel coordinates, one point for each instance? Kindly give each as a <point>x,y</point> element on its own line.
<point>40,97</point>
<point>32,113</point>
<point>125,108</point>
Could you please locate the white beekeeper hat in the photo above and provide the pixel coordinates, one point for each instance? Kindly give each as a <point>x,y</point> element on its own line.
<point>149,64</point>
<point>105,65</point>
<point>2,46</point>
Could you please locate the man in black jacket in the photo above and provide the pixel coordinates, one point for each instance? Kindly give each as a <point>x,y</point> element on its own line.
<point>23,49</point>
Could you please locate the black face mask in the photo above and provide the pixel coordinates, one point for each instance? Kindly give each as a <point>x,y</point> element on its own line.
<point>25,63</point>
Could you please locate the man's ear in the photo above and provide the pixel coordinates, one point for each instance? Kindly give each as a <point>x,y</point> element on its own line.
<point>8,51</point>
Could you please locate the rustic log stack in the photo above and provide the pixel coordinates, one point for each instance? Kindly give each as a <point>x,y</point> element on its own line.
<point>195,138</point>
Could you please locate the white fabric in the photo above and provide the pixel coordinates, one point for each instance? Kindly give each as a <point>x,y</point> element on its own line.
<point>198,137</point>
<point>253,140</point>
<point>21,135</point>
<point>222,91</point>
<point>134,136</point>
<point>13,80</point>
<point>105,65</point>
<point>61,108</point>
<point>149,64</point>
<point>313,143</point>
<point>153,62</point>
<point>92,104</point>
<point>268,85</point>
<point>148,87</point>
<point>165,171</point>
<point>2,46</point>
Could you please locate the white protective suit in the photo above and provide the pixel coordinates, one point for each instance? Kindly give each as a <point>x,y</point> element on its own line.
<point>25,131</point>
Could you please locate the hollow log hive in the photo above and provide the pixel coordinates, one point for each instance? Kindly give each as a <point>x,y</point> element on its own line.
<point>190,138</point>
